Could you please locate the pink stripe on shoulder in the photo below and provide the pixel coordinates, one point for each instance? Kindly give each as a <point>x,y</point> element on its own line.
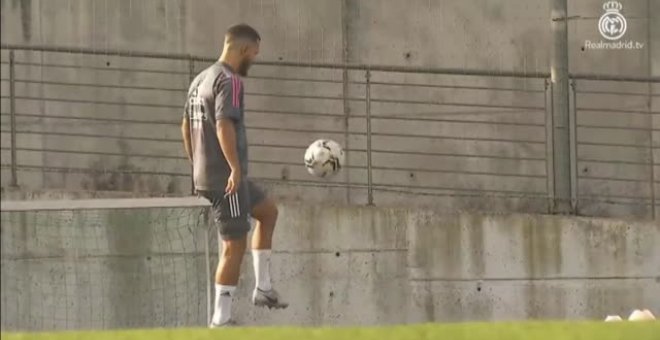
<point>234,98</point>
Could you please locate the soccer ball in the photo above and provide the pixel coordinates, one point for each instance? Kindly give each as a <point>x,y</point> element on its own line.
<point>324,158</point>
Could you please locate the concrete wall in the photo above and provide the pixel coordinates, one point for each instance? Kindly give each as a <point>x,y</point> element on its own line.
<point>337,265</point>
<point>478,34</point>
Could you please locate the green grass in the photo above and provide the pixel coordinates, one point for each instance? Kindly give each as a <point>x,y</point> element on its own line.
<point>456,331</point>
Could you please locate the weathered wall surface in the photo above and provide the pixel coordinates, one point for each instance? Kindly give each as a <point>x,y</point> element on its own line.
<point>336,265</point>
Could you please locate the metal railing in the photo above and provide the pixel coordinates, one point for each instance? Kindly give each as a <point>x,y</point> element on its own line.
<point>468,135</point>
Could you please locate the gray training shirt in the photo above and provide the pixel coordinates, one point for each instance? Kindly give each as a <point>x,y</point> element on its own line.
<point>217,90</point>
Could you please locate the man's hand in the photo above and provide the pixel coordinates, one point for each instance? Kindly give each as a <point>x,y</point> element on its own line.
<point>233,182</point>
<point>187,145</point>
<point>227,136</point>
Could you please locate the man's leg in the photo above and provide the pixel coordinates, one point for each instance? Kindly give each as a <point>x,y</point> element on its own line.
<point>230,214</point>
<point>226,279</point>
<point>264,211</point>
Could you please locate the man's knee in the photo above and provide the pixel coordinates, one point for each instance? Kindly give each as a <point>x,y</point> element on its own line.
<point>234,249</point>
<point>266,211</point>
<point>273,212</point>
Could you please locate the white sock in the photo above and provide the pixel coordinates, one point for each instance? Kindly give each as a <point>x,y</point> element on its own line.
<point>223,297</point>
<point>261,259</point>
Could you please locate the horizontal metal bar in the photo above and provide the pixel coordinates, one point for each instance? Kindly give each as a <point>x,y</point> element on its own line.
<point>393,117</point>
<point>97,102</point>
<point>98,119</point>
<point>616,93</point>
<point>608,127</point>
<point>442,120</point>
<point>408,116</point>
<point>614,145</point>
<point>592,76</point>
<point>613,179</point>
<point>300,113</point>
<point>635,202</point>
<point>406,69</point>
<point>164,157</point>
<point>104,68</point>
<point>476,191</point>
<point>424,102</point>
<point>383,134</point>
<point>453,87</point>
<point>456,172</point>
<point>587,160</point>
<point>172,72</point>
<point>100,102</point>
<point>68,134</point>
<point>452,113</point>
<point>455,193</point>
<point>99,153</point>
<point>363,67</point>
<point>87,135</point>
<point>406,189</point>
<point>413,153</point>
<point>416,170</point>
<point>329,115</point>
<point>603,197</point>
<point>602,109</point>
<point>112,86</point>
<point>167,201</point>
<point>97,171</point>
<point>95,51</point>
<point>297,96</point>
<point>440,154</point>
<point>469,139</point>
<point>306,80</point>
<point>528,279</point>
<point>255,77</point>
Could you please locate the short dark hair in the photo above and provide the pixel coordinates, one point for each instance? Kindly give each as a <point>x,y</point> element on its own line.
<point>243,31</point>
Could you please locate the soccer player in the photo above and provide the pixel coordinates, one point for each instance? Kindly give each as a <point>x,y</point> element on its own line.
<point>214,137</point>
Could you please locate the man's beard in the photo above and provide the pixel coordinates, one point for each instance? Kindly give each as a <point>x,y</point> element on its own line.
<point>244,67</point>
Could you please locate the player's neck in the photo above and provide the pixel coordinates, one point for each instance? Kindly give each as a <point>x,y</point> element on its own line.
<point>230,61</point>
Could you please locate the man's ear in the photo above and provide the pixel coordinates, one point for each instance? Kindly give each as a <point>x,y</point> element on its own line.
<point>244,49</point>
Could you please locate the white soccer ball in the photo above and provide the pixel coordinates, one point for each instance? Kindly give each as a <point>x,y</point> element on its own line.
<point>324,158</point>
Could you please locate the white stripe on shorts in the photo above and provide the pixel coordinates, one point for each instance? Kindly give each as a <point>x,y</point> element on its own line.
<point>230,200</point>
<point>234,207</point>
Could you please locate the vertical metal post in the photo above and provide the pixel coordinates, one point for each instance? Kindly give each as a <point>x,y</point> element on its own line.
<point>549,146</point>
<point>560,112</point>
<point>191,76</point>
<point>12,120</point>
<point>209,280</point>
<point>651,155</point>
<point>345,95</point>
<point>370,189</point>
<point>651,48</point>
<point>652,176</point>
<point>573,143</point>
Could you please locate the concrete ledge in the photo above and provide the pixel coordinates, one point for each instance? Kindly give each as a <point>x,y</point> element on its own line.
<point>338,265</point>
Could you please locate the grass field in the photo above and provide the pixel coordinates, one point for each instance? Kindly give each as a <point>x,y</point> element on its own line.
<point>456,331</point>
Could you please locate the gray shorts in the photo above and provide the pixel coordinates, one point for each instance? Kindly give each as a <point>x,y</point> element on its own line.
<point>231,213</point>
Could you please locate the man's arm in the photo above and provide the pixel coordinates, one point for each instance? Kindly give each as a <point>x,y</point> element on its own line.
<point>185,131</point>
<point>227,136</point>
<point>227,112</point>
